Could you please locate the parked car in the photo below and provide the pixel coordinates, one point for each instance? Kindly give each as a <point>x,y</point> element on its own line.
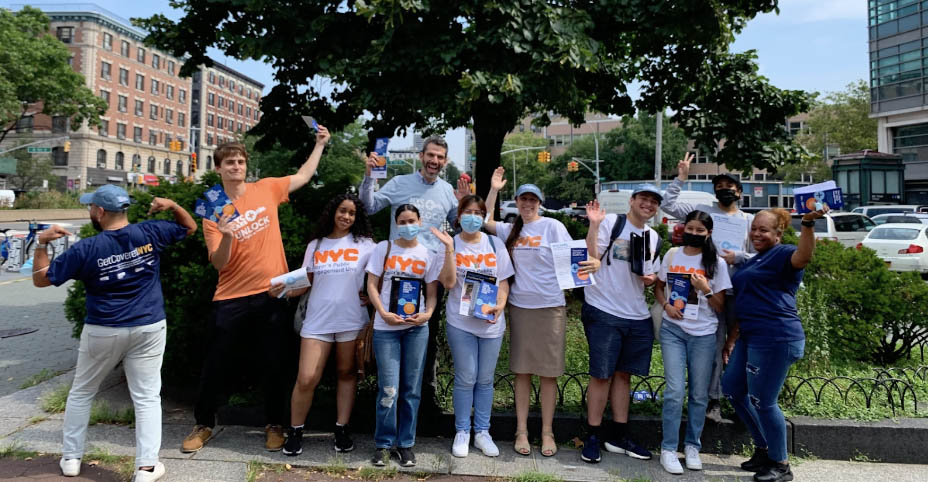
<point>617,201</point>
<point>845,228</point>
<point>876,210</point>
<point>509,212</point>
<point>900,218</point>
<point>904,247</point>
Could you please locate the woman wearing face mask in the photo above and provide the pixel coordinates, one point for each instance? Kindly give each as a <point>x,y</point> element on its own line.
<point>768,338</point>
<point>400,342</point>
<point>688,335</point>
<point>537,309</point>
<point>475,342</point>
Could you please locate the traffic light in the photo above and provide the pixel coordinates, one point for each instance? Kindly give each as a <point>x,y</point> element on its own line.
<point>541,156</point>
<point>573,166</point>
<point>67,146</point>
<point>193,162</point>
<point>547,157</point>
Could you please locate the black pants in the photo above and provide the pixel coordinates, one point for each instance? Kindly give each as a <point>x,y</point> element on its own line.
<point>257,321</point>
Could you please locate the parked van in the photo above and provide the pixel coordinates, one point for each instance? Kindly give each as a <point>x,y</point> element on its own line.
<point>7,198</point>
<point>617,201</point>
<point>874,210</point>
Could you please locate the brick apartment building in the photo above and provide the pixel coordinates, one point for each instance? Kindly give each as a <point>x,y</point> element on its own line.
<point>225,105</point>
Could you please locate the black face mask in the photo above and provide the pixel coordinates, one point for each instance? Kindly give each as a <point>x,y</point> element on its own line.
<point>694,240</point>
<point>726,196</point>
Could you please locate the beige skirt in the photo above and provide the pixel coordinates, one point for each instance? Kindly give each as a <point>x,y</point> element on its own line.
<point>536,340</point>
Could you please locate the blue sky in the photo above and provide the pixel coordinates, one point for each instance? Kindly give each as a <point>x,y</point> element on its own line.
<point>814,45</point>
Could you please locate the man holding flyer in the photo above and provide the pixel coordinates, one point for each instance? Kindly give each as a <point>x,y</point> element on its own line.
<point>247,250</point>
<point>731,235</point>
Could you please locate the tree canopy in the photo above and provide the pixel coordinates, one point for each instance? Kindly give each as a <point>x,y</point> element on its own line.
<point>35,73</point>
<point>439,65</point>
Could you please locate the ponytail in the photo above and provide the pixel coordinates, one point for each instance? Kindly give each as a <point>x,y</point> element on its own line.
<point>513,237</point>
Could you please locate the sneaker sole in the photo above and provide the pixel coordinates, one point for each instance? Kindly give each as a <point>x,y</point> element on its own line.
<point>591,461</point>
<point>617,450</point>
<point>349,449</point>
<point>292,454</point>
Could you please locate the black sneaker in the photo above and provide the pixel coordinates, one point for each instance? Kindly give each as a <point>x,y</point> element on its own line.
<point>591,452</point>
<point>293,445</point>
<point>774,473</point>
<point>381,457</point>
<point>343,442</point>
<point>407,457</point>
<point>628,447</point>
<point>758,462</point>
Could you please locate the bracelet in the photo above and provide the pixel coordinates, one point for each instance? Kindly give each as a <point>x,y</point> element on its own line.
<point>35,272</point>
<point>809,224</point>
<point>40,245</point>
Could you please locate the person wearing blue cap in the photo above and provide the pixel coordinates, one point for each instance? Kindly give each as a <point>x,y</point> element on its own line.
<point>537,308</point>
<point>120,269</point>
<point>616,319</point>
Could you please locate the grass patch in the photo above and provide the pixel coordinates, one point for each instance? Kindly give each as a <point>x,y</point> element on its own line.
<point>370,473</point>
<point>533,476</point>
<point>335,466</point>
<point>16,451</point>
<point>102,413</point>
<point>38,419</point>
<point>859,457</point>
<point>44,375</point>
<point>255,469</point>
<point>122,464</point>
<point>56,399</point>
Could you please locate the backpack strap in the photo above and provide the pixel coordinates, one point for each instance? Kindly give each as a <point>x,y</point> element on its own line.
<point>311,276</point>
<point>492,243</point>
<point>616,232</point>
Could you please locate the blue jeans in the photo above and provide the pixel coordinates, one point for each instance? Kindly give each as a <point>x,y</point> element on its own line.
<point>400,358</point>
<point>752,382</point>
<point>474,370</point>
<point>685,354</point>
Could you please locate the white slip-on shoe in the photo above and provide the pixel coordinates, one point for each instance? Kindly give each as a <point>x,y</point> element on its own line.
<point>484,442</point>
<point>670,462</point>
<point>461,444</point>
<point>70,467</point>
<point>693,462</point>
<point>146,476</point>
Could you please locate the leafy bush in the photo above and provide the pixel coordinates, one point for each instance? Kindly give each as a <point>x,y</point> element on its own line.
<point>576,228</point>
<point>48,200</point>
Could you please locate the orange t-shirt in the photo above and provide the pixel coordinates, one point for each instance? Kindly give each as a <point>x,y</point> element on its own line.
<point>257,250</point>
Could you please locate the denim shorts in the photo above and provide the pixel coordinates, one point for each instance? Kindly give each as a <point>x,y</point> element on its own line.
<point>617,344</point>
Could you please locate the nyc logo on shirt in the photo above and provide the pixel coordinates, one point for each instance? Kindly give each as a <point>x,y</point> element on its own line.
<point>528,242</point>
<point>406,265</point>
<point>685,270</point>
<point>475,261</point>
<point>333,261</point>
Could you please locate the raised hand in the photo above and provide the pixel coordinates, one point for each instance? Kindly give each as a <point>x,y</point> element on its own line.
<point>594,213</point>
<point>442,236</point>
<point>322,135</point>
<point>371,162</point>
<point>463,188</point>
<point>683,167</point>
<point>159,204</point>
<point>498,181</point>
<point>53,233</point>
<point>223,225</point>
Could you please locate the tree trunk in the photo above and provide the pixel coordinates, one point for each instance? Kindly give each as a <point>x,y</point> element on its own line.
<point>489,131</point>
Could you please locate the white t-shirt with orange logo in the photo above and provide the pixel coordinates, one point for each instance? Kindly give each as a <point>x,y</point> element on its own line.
<point>415,262</point>
<point>706,320</point>
<point>479,257</point>
<point>535,283</point>
<point>338,276</point>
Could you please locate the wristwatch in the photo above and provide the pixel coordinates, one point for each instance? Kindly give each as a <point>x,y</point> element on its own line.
<point>808,224</point>
<point>709,295</point>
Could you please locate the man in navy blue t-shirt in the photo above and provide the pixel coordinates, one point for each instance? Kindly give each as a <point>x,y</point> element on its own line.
<point>120,269</point>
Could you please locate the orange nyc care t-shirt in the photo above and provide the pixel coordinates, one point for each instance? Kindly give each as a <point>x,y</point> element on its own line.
<point>257,250</point>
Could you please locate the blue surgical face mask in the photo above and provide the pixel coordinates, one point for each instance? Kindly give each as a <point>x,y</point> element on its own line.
<point>408,231</point>
<point>471,223</point>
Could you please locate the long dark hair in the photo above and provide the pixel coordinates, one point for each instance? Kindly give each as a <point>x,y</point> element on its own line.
<point>406,207</point>
<point>514,236</point>
<point>467,201</point>
<point>361,228</point>
<point>710,255</point>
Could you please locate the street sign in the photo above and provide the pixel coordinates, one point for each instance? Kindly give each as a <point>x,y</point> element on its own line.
<point>398,162</point>
<point>38,150</point>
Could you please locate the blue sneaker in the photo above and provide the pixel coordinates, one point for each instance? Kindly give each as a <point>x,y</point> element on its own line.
<point>627,447</point>
<point>590,452</point>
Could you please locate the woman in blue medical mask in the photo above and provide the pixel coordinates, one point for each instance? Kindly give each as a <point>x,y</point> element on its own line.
<point>401,330</point>
<point>474,341</point>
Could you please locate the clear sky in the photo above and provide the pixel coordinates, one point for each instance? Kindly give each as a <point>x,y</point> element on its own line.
<point>814,45</point>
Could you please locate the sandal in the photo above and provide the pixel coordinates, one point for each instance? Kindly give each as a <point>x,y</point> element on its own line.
<point>548,450</point>
<point>524,448</point>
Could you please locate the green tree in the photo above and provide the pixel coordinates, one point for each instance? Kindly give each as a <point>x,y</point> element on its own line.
<point>631,148</point>
<point>446,64</point>
<point>451,173</point>
<point>31,171</point>
<point>35,75</point>
<point>841,118</point>
<point>524,162</point>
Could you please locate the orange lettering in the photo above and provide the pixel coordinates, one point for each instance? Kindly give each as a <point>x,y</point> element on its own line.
<point>321,257</point>
<point>490,260</point>
<point>351,254</point>
<point>418,267</point>
<point>685,270</point>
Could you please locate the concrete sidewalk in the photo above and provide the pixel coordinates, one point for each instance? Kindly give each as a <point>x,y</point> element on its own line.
<point>227,456</point>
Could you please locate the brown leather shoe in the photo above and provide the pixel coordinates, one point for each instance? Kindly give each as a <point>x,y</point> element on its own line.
<point>197,438</point>
<point>274,438</point>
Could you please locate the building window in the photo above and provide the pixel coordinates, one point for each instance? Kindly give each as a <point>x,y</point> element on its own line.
<point>167,167</point>
<point>231,106</point>
<point>25,124</point>
<point>59,124</point>
<point>71,61</point>
<point>152,138</point>
<point>167,141</point>
<point>153,112</point>
<point>239,108</point>
<point>136,162</point>
<point>239,89</point>
<point>209,162</point>
<point>137,134</point>
<point>179,168</point>
<point>120,161</point>
<point>212,78</point>
<point>209,139</point>
<point>222,102</point>
<point>123,77</point>
<point>151,164</point>
<point>123,103</point>
<point>182,96</point>
<point>124,48</point>
<point>220,122</point>
<point>759,177</point>
<point>154,86</point>
<point>106,70</point>
<point>140,55</point>
<point>169,91</point>
<point>210,120</point>
<point>171,67</point>
<point>139,108</point>
<point>101,159</point>
<point>222,81</point>
<point>169,116</point>
<point>155,61</point>
<point>211,99</point>
<point>140,82</point>
<point>231,85</point>
<point>107,41</point>
<point>239,126</point>
<point>181,120</point>
<point>248,112</point>
<point>120,131</point>
<point>66,34</point>
<point>256,114</point>
<point>104,127</point>
<point>105,95</point>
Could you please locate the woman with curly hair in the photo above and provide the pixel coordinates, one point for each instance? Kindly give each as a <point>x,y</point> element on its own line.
<point>335,313</point>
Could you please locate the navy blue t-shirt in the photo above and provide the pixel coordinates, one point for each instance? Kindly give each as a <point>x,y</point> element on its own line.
<point>121,270</point>
<point>765,297</point>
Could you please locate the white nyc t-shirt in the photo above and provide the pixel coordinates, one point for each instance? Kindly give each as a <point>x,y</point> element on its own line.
<point>706,320</point>
<point>481,258</point>
<point>618,291</point>
<point>416,262</point>
<point>535,282</point>
<point>338,267</point>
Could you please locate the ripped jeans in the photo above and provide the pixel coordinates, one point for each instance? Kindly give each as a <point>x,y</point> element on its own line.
<point>400,356</point>
<point>752,382</point>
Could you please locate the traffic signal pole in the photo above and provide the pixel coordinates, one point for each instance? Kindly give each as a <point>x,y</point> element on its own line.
<point>50,139</point>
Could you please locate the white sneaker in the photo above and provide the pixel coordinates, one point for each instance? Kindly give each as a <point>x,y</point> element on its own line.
<point>146,476</point>
<point>670,462</point>
<point>484,442</point>
<point>693,462</point>
<point>70,467</point>
<point>461,444</point>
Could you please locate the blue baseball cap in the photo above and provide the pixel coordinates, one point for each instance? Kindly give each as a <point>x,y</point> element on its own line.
<point>109,197</point>
<point>649,188</point>
<point>530,189</point>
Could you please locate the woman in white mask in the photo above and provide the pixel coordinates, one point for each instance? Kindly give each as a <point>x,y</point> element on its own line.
<point>476,324</point>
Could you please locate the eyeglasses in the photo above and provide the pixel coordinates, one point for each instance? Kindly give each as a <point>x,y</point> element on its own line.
<point>474,211</point>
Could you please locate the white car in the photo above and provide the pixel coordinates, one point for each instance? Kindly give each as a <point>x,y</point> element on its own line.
<point>845,228</point>
<point>904,247</point>
<point>900,218</point>
<point>508,211</point>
